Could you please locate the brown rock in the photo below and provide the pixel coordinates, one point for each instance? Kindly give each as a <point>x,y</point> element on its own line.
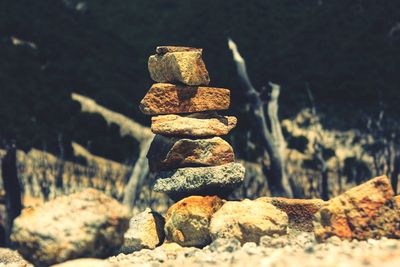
<point>187,221</point>
<point>247,221</point>
<point>365,211</point>
<point>178,64</point>
<point>168,49</point>
<point>198,125</point>
<point>168,153</point>
<point>166,98</point>
<point>300,211</point>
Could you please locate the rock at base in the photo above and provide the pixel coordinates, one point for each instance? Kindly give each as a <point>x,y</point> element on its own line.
<point>300,211</point>
<point>84,224</point>
<point>196,125</point>
<point>11,258</point>
<point>365,211</point>
<point>146,230</point>
<point>178,64</point>
<point>166,98</point>
<point>187,221</point>
<point>247,221</point>
<point>184,182</point>
<point>86,262</point>
<point>168,153</point>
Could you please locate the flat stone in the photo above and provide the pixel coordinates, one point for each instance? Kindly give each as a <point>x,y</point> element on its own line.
<point>168,153</point>
<point>166,98</point>
<point>216,180</point>
<point>84,224</point>
<point>187,221</point>
<point>178,65</point>
<point>248,221</point>
<point>300,211</point>
<point>146,231</point>
<point>198,125</point>
<point>365,211</point>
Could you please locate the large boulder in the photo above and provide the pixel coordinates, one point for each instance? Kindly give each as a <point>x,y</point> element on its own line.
<point>178,64</point>
<point>194,125</point>
<point>84,224</point>
<point>365,211</point>
<point>146,230</point>
<point>247,221</point>
<point>168,153</point>
<point>300,211</point>
<point>167,98</point>
<point>216,180</point>
<point>187,221</point>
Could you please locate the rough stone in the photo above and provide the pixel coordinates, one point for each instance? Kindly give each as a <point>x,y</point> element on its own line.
<point>146,230</point>
<point>365,211</point>
<point>247,221</point>
<point>87,262</point>
<point>195,125</point>
<point>216,180</point>
<point>187,221</point>
<point>300,211</point>
<point>10,258</point>
<point>178,65</point>
<point>168,153</point>
<point>166,98</point>
<point>87,223</point>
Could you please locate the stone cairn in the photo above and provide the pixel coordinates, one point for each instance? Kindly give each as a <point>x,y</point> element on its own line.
<point>187,153</point>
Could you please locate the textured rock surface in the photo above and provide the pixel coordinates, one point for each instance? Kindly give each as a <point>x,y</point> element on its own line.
<point>87,262</point>
<point>168,153</point>
<point>365,211</point>
<point>146,230</point>
<point>195,125</point>
<point>10,258</point>
<point>217,180</point>
<point>87,223</point>
<point>247,221</point>
<point>300,211</point>
<point>166,98</point>
<point>187,221</point>
<point>178,64</point>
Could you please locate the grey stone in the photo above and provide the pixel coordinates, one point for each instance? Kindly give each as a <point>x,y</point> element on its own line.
<point>216,180</point>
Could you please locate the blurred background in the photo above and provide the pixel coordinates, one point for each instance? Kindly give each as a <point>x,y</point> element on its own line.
<point>336,63</point>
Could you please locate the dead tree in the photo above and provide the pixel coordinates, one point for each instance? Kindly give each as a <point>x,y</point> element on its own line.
<point>129,127</point>
<point>12,189</point>
<point>271,137</point>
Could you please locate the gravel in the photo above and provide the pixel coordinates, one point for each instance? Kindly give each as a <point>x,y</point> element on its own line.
<point>297,249</point>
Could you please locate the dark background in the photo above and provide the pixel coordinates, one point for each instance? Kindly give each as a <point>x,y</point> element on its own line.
<point>346,51</point>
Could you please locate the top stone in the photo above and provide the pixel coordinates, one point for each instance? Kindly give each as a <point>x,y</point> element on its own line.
<point>176,64</point>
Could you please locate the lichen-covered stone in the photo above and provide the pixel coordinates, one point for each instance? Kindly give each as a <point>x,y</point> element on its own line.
<point>168,153</point>
<point>195,125</point>
<point>146,230</point>
<point>187,221</point>
<point>365,211</point>
<point>178,65</point>
<point>247,221</point>
<point>84,224</point>
<point>300,211</point>
<point>166,98</point>
<point>216,180</point>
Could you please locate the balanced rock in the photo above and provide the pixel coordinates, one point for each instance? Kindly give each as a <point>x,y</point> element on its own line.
<point>365,211</point>
<point>187,221</point>
<point>87,223</point>
<point>300,211</point>
<point>146,230</point>
<point>166,98</point>
<point>195,125</point>
<point>168,153</point>
<point>178,64</point>
<point>247,221</point>
<point>216,180</point>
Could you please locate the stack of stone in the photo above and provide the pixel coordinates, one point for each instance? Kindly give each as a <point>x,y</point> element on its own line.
<point>187,153</point>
